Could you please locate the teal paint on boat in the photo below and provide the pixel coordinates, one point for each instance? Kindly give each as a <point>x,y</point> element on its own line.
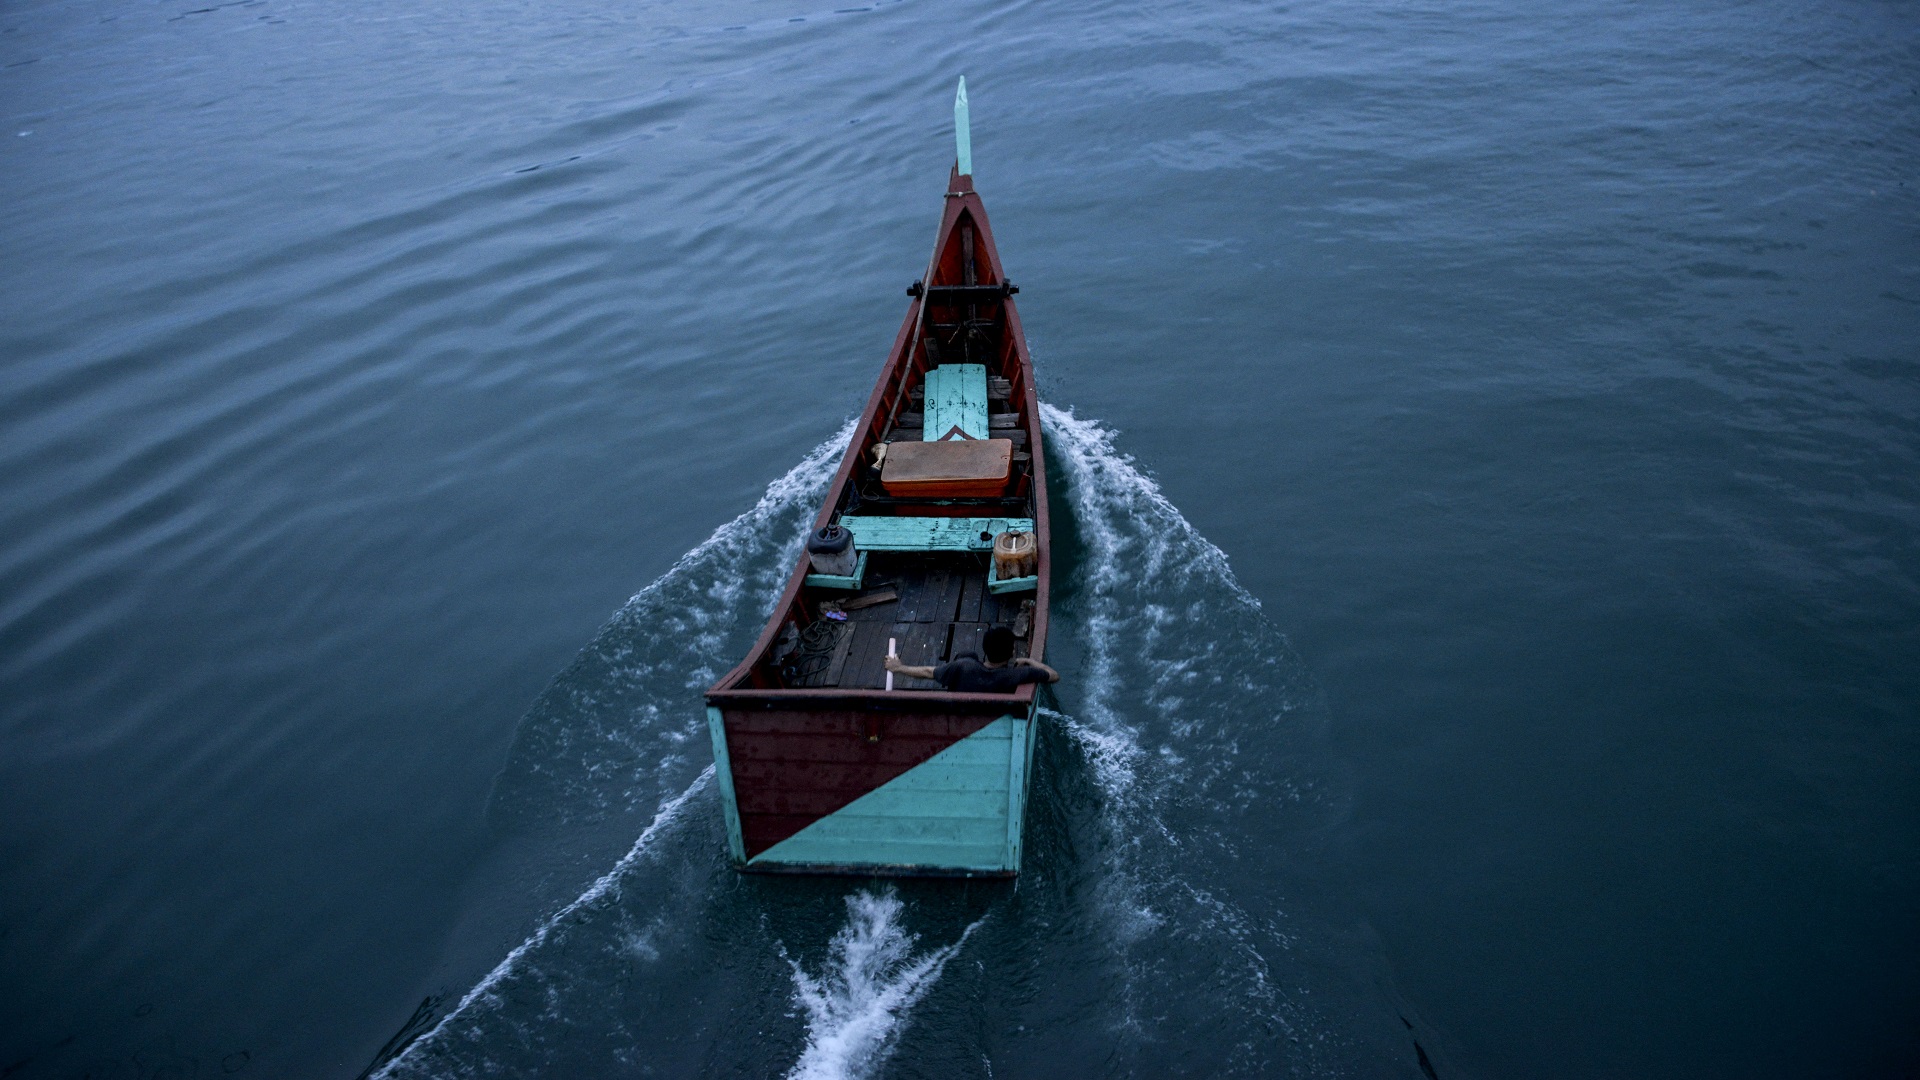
<point>841,581</point>
<point>962,131</point>
<point>723,771</point>
<point>929,534</point>
<point>1013,585</point>
<point>960,811</point>
<point>1019,765</point>
<point>956,399</point>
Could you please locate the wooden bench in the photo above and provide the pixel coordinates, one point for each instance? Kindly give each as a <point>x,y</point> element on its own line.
<point>955,403</point>
<point>960,469</point>
<point>929,533</point>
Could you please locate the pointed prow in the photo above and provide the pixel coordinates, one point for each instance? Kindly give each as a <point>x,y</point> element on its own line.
<point>962,132</point>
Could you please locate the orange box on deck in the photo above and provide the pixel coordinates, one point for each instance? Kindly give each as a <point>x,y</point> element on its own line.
<point>958,469</point>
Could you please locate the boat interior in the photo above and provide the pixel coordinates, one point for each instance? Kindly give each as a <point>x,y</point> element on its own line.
<point>944,467</point>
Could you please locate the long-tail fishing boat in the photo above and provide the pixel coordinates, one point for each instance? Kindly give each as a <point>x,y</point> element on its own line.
<point>931,546</point>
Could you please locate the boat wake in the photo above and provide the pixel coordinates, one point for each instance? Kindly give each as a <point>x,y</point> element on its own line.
<point>1167,921</point>
<point>856,1007</point>
<point>615,732</point>
<point>618,734</point>
<point>1204,742</point>
<point>468,1018</point>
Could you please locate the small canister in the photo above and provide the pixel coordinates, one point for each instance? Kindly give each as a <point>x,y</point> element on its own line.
<point>1015,555</point>
<point>830,550</point>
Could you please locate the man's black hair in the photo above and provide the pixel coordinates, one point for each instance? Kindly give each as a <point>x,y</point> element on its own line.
<point>997,644</point>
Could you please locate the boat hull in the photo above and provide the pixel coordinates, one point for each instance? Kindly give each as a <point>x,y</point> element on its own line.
<point>825,763</point>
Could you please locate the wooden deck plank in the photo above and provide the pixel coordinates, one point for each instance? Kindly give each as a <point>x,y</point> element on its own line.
<point>885,573</point>
<point>913,587</point>
<point>864,666</point>
<point>956,397</point>
<point>940,597</point>
<point>997,610</point>
<point>841,751</point>
<point>839,776</point>
<point>840,651</point>
<point>919,644</point>
<point>972,588</point>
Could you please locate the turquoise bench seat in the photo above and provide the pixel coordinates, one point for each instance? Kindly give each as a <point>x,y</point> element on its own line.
<point>929,533</point>
<point>955,400</point>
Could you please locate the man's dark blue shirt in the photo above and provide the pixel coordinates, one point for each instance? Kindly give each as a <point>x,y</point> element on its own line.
<point>967,675</point>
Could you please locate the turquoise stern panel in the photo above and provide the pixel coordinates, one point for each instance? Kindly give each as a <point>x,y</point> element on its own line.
<point>1018,769</point>
<point>961,810</point>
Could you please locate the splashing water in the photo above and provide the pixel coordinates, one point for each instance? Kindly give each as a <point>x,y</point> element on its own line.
<point>856,1008</point>
<point>619,730</point>
<point>1194,719</point>
<point>612,729</point>
<point>465,1020</point>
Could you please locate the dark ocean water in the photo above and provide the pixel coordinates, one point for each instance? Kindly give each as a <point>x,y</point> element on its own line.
<point>1488,444</point>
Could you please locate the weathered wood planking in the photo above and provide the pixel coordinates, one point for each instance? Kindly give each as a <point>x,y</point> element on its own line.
<point>929,533</point>
<point>919,644</point>
<point>956,401</point>
<point>972,589</point>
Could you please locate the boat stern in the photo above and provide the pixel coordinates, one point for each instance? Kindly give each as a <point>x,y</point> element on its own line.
<point>894,795</point>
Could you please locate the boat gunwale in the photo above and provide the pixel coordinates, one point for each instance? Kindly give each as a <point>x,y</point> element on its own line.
<point>866,698</point>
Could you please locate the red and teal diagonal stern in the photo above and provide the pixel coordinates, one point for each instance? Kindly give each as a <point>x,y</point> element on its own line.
<point>906,794</point>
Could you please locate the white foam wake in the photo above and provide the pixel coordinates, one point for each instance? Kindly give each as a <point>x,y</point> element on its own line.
<point>617,729</point>
<point>857,1007</point>
<point>1182,673</point>
<point>1138,539</point>
<point>614,731</point>
<point>485,994</point>
<point>736,549</point>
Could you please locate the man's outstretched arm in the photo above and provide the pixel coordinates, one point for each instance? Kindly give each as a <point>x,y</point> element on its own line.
<point>1052,675</point>
<point>894,665</point>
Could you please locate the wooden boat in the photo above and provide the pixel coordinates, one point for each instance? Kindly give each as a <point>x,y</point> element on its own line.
<point>827,763</point>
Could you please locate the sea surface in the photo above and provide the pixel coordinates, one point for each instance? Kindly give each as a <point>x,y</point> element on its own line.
<point>1485,439</point>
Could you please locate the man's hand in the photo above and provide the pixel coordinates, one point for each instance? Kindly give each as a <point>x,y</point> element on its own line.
<point>1028,661</point>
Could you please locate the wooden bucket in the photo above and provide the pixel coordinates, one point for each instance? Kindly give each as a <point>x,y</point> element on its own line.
<point>1015,555</point>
